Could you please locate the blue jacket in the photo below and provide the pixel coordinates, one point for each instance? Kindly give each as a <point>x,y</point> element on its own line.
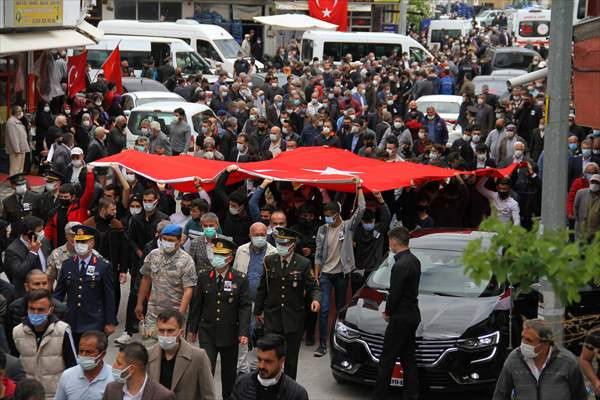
<point>308,135</point>
<point>90,294</point>
<point>437,132</point>
<point>447,85</point>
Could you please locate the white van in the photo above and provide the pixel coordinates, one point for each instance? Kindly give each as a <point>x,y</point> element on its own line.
<point>530,27</point>
<point>212,42</point>
<point>137,50</point>
<point>454,28</point>
<point>335,45</point>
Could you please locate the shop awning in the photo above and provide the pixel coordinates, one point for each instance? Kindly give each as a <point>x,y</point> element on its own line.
<point>303,6</point>
<point>295,22</point>
<point>84,34</point>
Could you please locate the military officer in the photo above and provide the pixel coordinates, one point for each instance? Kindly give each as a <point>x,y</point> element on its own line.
<point>287,278</point>
<point>87,281</point>
<point>21,203</point>
<point>48,201</point>
<point>169,275</point>
<point>220,312</point>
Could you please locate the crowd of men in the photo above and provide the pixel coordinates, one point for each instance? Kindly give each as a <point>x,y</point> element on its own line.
<point>219,268</point>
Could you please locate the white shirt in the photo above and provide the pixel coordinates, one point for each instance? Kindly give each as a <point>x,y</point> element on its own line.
<point>138,396</point>
<point>534,369</point>
<point>507,209</point>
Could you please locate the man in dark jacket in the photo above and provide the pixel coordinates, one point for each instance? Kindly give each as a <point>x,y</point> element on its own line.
<point>259,384</point>
<point>21,203</point>
<point>117,137</point>
<point>29,251</point>
<point>403,317</point>
<point>528,117</point>
<point>97,148</point>
<point>237,221</point>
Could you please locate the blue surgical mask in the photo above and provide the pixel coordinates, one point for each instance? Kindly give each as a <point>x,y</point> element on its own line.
<point>259,241</point>
<point>586,152</point>
<point>282,250</point>
<point>209,232</point>
<point>572,146</point>
<point>218,261</point>
<point>368,226</point>
<point>329,220</point>
<point>37,319</point>
<point>140,148</point>
<point>116,373</point>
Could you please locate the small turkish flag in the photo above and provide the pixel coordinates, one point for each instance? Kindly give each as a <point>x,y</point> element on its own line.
<point>76,66</point>
<point>112,69</point>
<point>332,11</point>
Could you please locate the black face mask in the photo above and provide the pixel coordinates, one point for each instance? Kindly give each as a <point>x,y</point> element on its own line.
<point>185,210</point>
<point>64,202</point>
<point>503,195</point>
<point>266,221</point>
<point>109,217</point>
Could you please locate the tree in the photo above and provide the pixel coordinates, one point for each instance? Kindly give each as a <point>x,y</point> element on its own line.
<point>417,11</point>
<point>521,257</point>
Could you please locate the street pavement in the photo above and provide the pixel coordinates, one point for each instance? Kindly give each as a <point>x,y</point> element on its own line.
<point>313,372</point>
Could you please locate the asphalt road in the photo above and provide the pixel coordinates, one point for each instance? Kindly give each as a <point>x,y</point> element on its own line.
<point>313,373</point>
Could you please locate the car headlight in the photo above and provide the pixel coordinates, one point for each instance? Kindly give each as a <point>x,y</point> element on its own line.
<point>344,331</point>
<point>481,341</point>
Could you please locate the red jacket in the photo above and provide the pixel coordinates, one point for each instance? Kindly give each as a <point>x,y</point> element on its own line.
<point>578,183</point>
<point>77,211</point>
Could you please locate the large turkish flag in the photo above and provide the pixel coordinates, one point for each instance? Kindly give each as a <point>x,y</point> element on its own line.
<point>323,167</point>
<point>332,11</point>
<point>76,66</point>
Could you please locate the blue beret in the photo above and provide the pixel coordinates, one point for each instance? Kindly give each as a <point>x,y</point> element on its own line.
<point>171,230</point>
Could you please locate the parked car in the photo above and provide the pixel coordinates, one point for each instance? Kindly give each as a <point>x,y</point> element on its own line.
<point>131,100</point>
<point>163,112</point>
<point>258,79</point>
<point>134,84</point>
<point>448,107</point>
<point>463,337</point>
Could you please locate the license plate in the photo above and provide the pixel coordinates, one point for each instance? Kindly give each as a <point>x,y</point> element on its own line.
<point>397,376</point>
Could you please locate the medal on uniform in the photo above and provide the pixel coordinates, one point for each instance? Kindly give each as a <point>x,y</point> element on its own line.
<point>90,270</point>
<point>227,286</point>
<point>26,207</point>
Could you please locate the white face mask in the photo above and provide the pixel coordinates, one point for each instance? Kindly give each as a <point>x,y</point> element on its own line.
<point>50,186</point>
<point>168,247</point>
<point>518,153</point>
<point>149,206</point>
<point>77,163</point>
<point>528,351</point>
<point>46,109</point>
<point>240,147</point>
<point>266,382</point>
<point>167,342</point>
<point>397,125</point>
<point>81,249</point>
<point>21,189</point>
<point>135,210</point>
<point>594,187</point>
<point>130,177</point>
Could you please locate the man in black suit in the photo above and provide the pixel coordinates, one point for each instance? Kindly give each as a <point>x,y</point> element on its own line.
<point>274,111</point>
<point>48,202</point>
<point>97,148</point>
<point>286,280</point>
<point>28,251</point>
<point>490,98</point>
<point>21,203</point>
<point>166,70</point>
<point>403,317</point>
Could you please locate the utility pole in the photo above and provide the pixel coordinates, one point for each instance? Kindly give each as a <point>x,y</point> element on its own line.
<point>554,185</point>
<point>403,15</point>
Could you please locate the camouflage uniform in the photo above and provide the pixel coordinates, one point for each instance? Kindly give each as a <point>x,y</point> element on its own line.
<point>170,275</point>
<point>56,259</point>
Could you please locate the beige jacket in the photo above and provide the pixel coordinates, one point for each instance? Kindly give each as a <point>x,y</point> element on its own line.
<point>242,256</point>
<point>44,363</point>
<point>16,136</point>
<point>192,374</point>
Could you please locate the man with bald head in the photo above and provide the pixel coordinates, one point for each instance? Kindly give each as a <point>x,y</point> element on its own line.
<point>249,260</point>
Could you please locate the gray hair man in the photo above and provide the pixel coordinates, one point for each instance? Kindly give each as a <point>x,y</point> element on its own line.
<point>538,368</point>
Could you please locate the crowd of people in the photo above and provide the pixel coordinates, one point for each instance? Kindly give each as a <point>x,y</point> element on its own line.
<point>219,268</point>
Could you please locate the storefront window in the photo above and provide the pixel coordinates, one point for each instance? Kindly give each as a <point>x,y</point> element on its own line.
<point>125,9</point>
<point>148,10</point>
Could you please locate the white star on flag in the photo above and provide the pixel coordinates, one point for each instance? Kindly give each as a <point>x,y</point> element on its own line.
<point>332,171</point>
<point>327,13</point>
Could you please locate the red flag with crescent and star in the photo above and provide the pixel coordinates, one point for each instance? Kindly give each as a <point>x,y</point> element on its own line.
<point>332,11</point>
<point>76,66</point>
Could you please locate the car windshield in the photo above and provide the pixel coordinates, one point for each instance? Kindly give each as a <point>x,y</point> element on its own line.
<point>163,118</point>
<point>442,273</point>
<point>191,63</point>
<point>228,47</point>
<point>497,86</point>
<point>441,107</point>
<point>516,60</point>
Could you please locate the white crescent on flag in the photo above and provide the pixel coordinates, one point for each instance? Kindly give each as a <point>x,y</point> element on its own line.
<point>326,11</point>
<point>72,75</point>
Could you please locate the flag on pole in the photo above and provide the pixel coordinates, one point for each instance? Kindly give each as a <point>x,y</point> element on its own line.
<point>76,66</point>
<point>332,11</point>
<point>112,69</point>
